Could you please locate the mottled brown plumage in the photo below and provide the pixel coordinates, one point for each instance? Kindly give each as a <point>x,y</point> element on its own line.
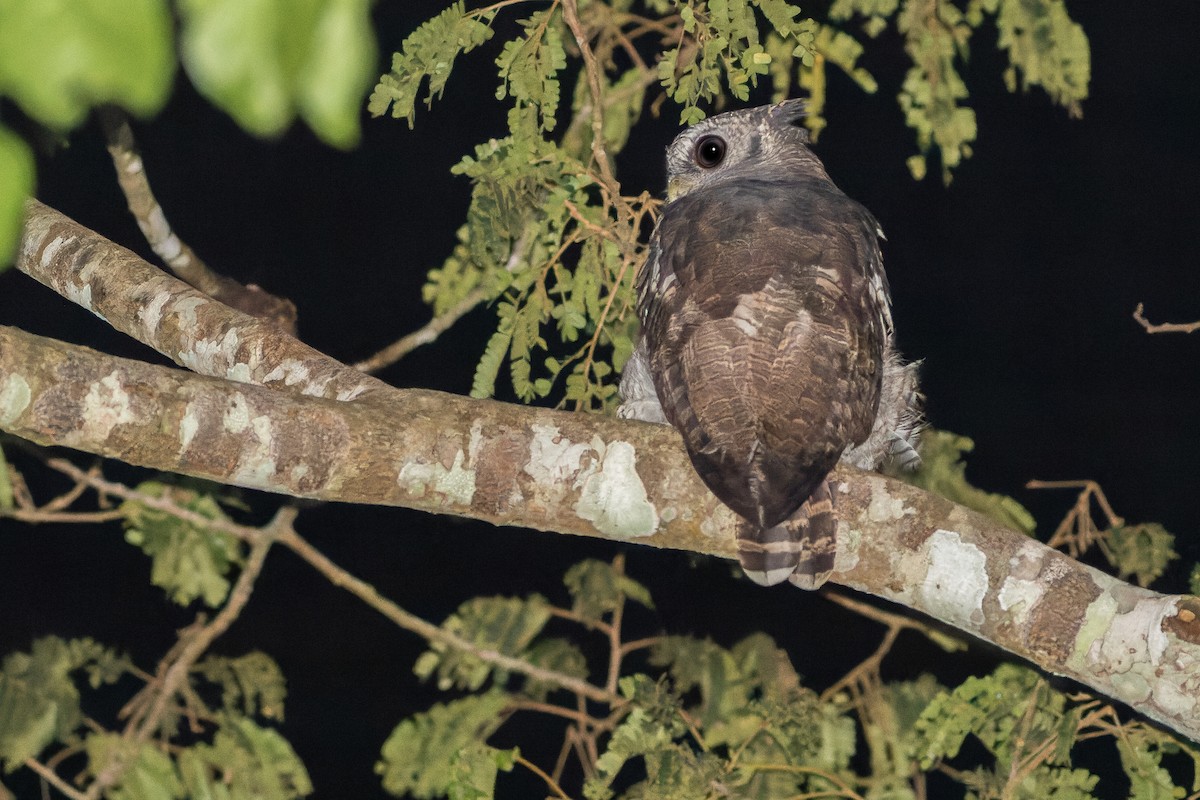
<point>766,332</point>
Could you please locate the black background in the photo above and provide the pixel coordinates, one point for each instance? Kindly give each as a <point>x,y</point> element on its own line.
<point>1015,284</point>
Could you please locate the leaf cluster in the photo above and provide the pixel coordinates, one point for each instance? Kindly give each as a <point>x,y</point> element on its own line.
<point>1044,46</point>
<point>188,559</point>
<point>265,63</point>
<point>225,753</point>
<point>1029,730</point>
<point>696,719</point>
<point>552,243</point>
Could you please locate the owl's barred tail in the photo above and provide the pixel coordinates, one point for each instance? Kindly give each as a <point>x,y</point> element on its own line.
<point>800,549</point>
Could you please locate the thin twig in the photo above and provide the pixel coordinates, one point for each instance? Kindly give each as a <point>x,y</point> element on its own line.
<point>553,710</point>
<point>51,777</point>
<point>1078,531</point>
<point>536,770</point>
<point>426,334</point>
<point>844,788</point>
<point>592,69</point>
<point>410,622</point>
<point>192,646</point>
<point>1163,327</point>
<point>35,516</point>
<point>164,504</point>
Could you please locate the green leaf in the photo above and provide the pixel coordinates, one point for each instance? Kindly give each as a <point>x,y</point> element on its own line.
<point>504,624</point>
<point>149,772</point>
<point>429,52</point>
<point>1141,751</point>
<point>598,589</point>
<point>264,61</point>
<point>58,60</point>
<point>39,703</point>
<point>474,770</point>
<point>943,472</point>
<point>16,185</point>
<point>557,655</point>
<point>419,756</point>
<point>1046,49</point>
<point>251,684</point>
<point>1050,783</point>
<point>190,562</point>
<point>484,383</point>
<point>529,66</point>
<point>991,708</point>
<point>1194,580</point>
<point>1143,551</point>
<point>244,762</point>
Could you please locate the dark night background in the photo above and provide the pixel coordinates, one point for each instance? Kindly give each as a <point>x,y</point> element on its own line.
<point>1015,284</point>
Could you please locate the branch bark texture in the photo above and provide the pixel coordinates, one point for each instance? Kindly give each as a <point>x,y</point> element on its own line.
<point>586,475</point>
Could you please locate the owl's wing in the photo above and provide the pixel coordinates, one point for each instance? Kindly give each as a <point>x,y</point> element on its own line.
<point>765,325</point>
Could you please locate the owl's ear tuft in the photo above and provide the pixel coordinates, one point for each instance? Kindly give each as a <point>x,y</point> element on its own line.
<point>791,113</point>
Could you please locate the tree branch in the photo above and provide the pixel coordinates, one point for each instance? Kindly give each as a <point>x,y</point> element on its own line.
<point>616,479</point>
<point>183,261</point>
<point>1163,327</point>
<point>427,333</point>
<point>185,325</point>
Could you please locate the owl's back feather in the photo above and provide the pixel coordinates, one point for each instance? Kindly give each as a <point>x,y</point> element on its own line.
<point>767,333</point>
<point>764,337</point>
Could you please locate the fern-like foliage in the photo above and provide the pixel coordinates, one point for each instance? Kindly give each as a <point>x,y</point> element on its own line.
<point>696,719</point>
<point>550,240</point>
<point>189,560</point>
<point>224,753</point>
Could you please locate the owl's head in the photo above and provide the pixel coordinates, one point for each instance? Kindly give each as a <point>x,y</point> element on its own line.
<point>762,142</point>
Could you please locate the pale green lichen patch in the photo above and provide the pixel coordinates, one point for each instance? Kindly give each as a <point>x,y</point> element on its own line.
<point>1099,615</point>
<point>256,460</point>
<point>14,398</point>
<point>457,484</point>
<point>188,426</point>
<point>1133,639</point>
<point>105,406</point>
<point>613,497</point>
<point>1022,590</point>
<point>955,580</point>
<point>151,313</point>
<point>885,508</point>
<point>553,458</point>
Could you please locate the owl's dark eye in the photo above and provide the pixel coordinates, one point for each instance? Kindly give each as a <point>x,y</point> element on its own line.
<point>710,151</point>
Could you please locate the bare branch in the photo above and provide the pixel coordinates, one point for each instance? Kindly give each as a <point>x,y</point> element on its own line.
<point>426,334</point>
<point>185,325</point>
<point>592,71</point>
<point>1163,327</point>
<point>175,253</point>
<point>597,476</point>
<point>615,479</point>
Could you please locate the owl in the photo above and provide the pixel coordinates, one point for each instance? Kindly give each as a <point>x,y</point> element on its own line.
<point>767,336</point>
